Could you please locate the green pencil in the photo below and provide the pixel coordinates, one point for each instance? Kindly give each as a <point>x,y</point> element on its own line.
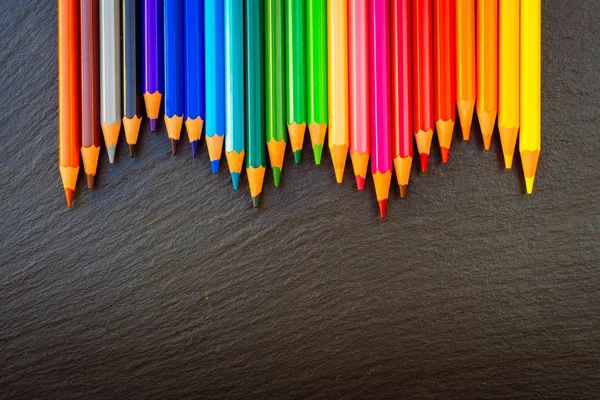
<point>316,44</point>
<point>275,84</point>
<point>256,159</point>
<point>295,51</point>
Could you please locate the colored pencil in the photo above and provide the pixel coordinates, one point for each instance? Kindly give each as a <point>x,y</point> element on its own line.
<point>316,54</point>
<point>295,54</point>
<point>234,92</point>
<point>487,68</point>
<point>214,46</point>
<point>68,95</point>
<point>153,85</point>
<point>276,129</point>
<point>444,73</point>
<point>508,78</point>
<point>193,13</point>
<point>337,54</point>
<point>381,132</point>
<point>422,77</point>
<point>132,103</point>
<point>531,60</point>
<point>173,17</point>
<point>358,89</point>
<point>466,85</point>
<point>90,97</point>
<point>256,160</point>
<point>402,140</point>
<point>110,74</point>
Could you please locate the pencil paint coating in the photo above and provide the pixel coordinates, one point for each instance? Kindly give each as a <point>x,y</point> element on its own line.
<point>110,62</point>
<point>358,73</point>
<point>234,79</point>
<point>153,47</point>
<point>295,23</point>
<point>130,99</point>
<point>90,96</point>
<point>194,59</point>
<point>316,45</point>
<point>215,67</point>
<point>173,17</point>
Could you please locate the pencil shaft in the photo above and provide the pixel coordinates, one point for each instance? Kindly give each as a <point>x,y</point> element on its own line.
<point>295,24</point>
<point>255,83</point>
<point>234,79</point>
<point>401,79</point>
<point>131,105</point>
<point>487,67</point>
<point>194,59</point>
<point>274,71</point>
<point>173,32</point>
<point>90,95</point>
<point>316,45</point>
<point>444,60</point>
<point>153,47</point>
<point>358,74</point>
<point>110,62</point>
<point>508,77</point>
<point>466,91</point>
<point>215,67</point>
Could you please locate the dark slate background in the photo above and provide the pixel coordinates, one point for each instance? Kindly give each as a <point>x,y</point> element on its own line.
<point>164,283</point>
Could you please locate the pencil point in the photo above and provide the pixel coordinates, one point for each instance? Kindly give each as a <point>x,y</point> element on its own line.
<point>382,207</point>
<point>445,154</point>
<point>338,159</point>
<point>174,146</point>
<point>70,193</point>
<point>339,175</point>
<point>360,182</point>
<point>403,189</point>
<point>297,156</point>
<point>90,181</point>
<point>152,122</point>
<point>508,160</point>
<point>194,145</point>
<point>296,133</point>
<point>111,153</point>
<point>131,149</point>
<point>487,142</point>
<point>424,161</point>
<point>529,184</point>
<point>487,120</point>
<point>465,114</point>
<point>318,153</point>
<point>276,176</point>
<point>466,132</point>
<point>255,201</point>
<point>235,180</point>
<point>214,164</point>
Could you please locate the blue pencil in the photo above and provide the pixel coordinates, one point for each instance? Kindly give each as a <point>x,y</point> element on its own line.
<point>173,13</point>
<point>215,79</point>
<point>234,93</point>
<point>193,16</point>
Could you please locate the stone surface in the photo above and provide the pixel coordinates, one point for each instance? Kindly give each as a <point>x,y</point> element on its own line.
<point>165,283</point>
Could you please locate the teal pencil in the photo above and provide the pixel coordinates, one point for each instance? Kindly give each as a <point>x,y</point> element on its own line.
<point>234,88</point>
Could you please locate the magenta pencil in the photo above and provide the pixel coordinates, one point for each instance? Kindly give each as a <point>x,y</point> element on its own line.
<point>381,138</point>
<point>358,88</point>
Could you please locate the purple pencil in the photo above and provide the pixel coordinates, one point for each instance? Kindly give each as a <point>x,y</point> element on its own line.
<point>153,60</point>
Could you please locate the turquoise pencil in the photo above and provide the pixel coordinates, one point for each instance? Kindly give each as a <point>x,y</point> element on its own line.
<point>234,88</point>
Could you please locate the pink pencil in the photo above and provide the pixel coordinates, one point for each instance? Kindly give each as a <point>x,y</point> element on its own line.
<point>381,138</point>
<point>358,88</point>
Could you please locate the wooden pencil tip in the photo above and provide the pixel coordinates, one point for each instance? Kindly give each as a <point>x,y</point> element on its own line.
<point>90,181</point>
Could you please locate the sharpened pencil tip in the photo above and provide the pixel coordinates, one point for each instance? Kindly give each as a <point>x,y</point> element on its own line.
<point>276,176</point>
<point>152,122</point>
<point>131,150</point>
<point>174,146</point>
<point>318,153</point>
<point>194,145</point>
<point>403,189</point>
<point>111,153</point>
<point>70,193</point>
<point>255,201</point>
<point>235,180</point>
<point>297,156</point>
<point>214,164</point>
<point>339,175</point>
<point>529,184</point>
<point>382,207</point>
<point>424,160</point>
<point>508,160</point>
<point>445,154</point>
<point>360,182</point>
<point>90,181</point>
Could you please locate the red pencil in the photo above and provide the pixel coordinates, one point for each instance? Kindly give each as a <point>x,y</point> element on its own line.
<point>422,77</point>
<point>402,141</point>
<point>444,73</point>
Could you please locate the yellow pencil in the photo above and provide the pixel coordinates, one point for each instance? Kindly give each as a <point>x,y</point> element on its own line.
<point>531,67</point>
<point>337,51</point>
<point>508,78</point>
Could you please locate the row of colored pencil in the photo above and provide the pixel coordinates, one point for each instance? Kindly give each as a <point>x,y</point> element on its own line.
<point>372,74</point>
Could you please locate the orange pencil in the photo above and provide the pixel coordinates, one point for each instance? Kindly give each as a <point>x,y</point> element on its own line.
<point>68,95</point>
<point>466,87</point>
<point>487,67</point>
